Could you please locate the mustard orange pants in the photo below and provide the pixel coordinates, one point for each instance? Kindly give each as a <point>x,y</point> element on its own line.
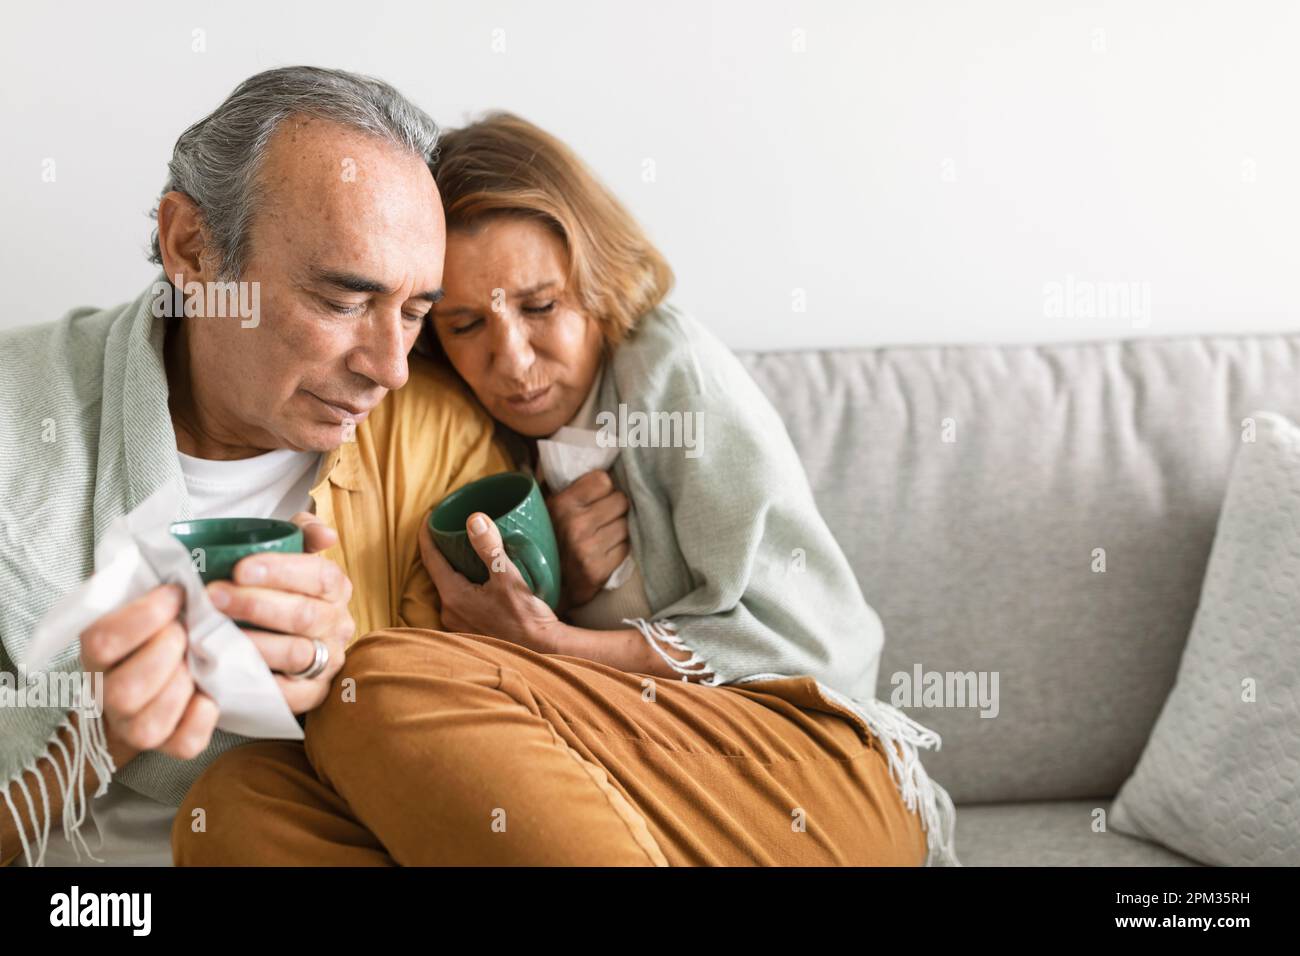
<point>438,748</point>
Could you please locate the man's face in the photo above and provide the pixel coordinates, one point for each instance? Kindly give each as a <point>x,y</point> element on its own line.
<point>347,246</point>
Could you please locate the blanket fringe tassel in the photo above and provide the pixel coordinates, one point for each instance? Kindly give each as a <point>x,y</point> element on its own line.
<point>89,746</point>
<point>902,737</point>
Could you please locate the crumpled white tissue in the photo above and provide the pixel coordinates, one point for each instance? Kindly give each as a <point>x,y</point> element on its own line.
<point>568,455</point>
<point>137,554</point>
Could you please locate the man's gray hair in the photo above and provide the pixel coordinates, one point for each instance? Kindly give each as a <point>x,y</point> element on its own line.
<point>216,160</point>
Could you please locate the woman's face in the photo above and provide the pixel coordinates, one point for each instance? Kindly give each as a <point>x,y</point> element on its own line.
<point>510,328</point>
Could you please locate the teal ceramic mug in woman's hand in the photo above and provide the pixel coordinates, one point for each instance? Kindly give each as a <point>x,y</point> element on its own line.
<point>514,502</point>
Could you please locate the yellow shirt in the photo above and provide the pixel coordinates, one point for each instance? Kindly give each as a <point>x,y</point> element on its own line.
<point>422,442</point>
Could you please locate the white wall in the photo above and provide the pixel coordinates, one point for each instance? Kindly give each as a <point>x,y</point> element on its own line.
<point>922,171</point>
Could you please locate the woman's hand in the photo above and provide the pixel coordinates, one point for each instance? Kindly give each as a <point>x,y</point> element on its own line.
<point>504,607</point>
<point>590,520</point>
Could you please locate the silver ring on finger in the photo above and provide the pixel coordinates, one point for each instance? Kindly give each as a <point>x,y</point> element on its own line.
<point>318,663</point>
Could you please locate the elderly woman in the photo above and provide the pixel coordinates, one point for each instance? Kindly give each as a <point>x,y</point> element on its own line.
<point>713,703</point>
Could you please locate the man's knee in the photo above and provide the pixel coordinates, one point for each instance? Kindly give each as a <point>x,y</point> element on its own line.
<point>385,668</point>
<point>407,692</point>
<point>225,804</point>
<point>442,653</point>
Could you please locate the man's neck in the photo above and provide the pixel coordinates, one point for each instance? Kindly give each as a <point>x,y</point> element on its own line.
<point>196,434</point>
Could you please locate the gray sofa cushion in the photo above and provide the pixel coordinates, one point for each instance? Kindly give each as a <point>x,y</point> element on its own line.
<point>1053,833</point>
<point>978,553</point>
<point>1220,777</point>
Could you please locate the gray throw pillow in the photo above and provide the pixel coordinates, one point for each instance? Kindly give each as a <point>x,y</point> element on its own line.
<point>1219,780</point>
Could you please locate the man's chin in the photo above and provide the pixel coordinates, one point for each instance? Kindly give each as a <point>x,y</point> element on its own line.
<point>324,436</point>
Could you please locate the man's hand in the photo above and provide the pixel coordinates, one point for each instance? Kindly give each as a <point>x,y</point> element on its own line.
<point>301,596</point>
<point>504,607</point>
<point>150,700</point>
<point>590,519</point>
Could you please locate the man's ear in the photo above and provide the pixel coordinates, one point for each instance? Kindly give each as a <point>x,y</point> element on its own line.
<point>182,240</point>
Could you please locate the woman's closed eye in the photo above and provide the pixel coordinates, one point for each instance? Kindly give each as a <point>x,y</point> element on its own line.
<point>468,326</point>
<point>527,309</point>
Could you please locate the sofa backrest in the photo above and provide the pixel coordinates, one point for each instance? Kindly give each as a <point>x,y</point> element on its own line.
<point>977,490</point>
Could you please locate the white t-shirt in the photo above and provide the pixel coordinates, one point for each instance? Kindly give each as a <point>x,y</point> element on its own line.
<point>136,830</point>
<point>274,485</point>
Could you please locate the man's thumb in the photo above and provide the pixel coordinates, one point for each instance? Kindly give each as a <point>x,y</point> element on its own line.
<point>316,534</point>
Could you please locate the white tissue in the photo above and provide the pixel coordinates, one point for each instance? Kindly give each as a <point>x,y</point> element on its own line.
<point>568,455</point>
<point>137,554</point>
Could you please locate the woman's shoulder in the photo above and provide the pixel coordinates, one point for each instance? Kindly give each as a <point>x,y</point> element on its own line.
<point>672,353</point>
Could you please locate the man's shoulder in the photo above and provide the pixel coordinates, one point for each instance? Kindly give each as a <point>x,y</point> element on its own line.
<point>54,370</point>
<point>18,346</point>
<point>51,390</point>
<point>35,351</point>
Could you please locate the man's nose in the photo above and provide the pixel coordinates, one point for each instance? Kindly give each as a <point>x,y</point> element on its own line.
<point>512,350</point>
<point>381,355</point>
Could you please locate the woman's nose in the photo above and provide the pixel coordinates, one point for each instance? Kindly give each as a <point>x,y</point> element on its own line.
<point>512,350</point>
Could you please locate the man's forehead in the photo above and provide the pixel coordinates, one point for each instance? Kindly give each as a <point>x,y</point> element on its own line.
<point>334,170</point>
<point>313,136</point>
<point>377,261</point>
<point>350,280</point>
<point>352,207</point>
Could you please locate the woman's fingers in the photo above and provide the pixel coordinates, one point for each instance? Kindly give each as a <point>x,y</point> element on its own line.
<point>485,537</point>
<point>580,495</point>
<point>618,556</point>
<point>608,509</point>
<point>608,538</point>
<point>581,516</point>
<point>591,487</point>
<point>445,578</point>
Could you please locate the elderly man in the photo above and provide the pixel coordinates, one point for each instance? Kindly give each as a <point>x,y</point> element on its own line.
<point>310,189</point>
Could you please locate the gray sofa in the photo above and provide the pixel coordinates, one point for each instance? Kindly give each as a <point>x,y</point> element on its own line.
<point>980,553</point>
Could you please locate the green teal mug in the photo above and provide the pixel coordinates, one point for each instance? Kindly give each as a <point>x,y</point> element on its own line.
<point>512,500</point>
<point>217,544</point>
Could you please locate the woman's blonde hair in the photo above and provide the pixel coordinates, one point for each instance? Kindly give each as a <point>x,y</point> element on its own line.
<point>504,165</point>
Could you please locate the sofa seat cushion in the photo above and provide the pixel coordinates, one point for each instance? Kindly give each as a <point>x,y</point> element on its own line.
<point>1050,833</point>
